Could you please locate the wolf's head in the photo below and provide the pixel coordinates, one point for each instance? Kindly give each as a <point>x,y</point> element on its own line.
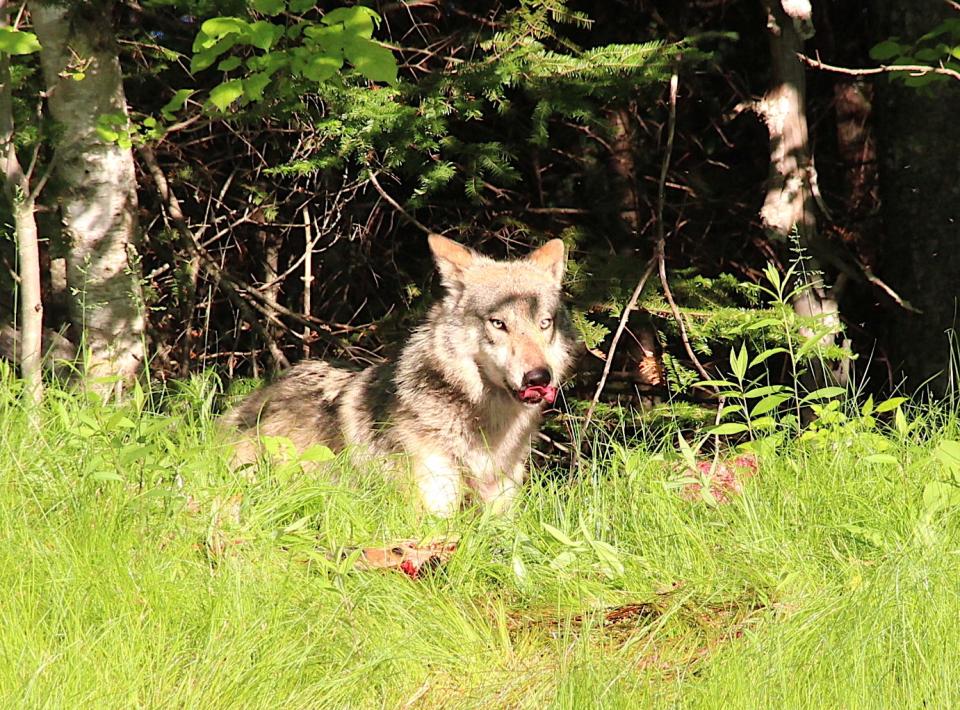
<point>512,315</point>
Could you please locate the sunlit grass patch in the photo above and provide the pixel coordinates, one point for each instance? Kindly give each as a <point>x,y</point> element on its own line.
<point>139,570</point>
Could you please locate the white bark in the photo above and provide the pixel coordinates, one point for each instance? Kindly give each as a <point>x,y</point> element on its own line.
<point>16,186</point>
<point>790,200</point>
<point>98,201</point>
<point>31,305</point>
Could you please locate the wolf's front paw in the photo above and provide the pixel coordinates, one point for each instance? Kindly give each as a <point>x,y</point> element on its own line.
<point>440,485</point>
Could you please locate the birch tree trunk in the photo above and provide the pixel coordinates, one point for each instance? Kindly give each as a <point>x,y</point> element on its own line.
<point>98,200</point>
<point>16,187</point>
<point>790,202</point>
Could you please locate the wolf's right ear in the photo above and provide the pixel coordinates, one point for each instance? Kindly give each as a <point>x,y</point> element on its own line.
<point>452,259</point>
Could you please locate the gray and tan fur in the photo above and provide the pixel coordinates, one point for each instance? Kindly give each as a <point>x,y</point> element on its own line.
<point>450,401</point>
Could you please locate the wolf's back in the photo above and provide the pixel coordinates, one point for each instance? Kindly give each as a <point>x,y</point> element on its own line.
<point>304,405</point>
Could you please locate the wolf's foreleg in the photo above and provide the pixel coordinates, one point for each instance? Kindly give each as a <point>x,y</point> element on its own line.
<point>440,484</point>
<point>500,493</point>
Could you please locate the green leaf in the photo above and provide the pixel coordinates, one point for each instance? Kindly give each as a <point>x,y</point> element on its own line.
<point>176,103</point>
<point>948,453</point>
<point>823,393</point>
<point>302,5</point>
<point>263,35</point>
<point>268,7</point>
<point>763,423</point>
<point>279,447</point>
<point>107,476</point>
<point>206,58</point>
<point>107,134</point>
<point>813,341</point>
<point>763,323</point>
<point>688,456</point>
<point>229,63</point>
<point>758,392</point>
<point>318,453</point>
<point>731,409</point>
<point>928,54</point>
<point>900,421</point>
<point>609,557</point>
<point>886,50</point>
<point>717,383</point>
<point>202,41</point>
<point>773,276</point>
<point>321,67</point>
<point>562,560</point>
<point>768,404</point>
<point>376,63</point>
<point>728,428</point>
<point>226,93</point>
<point>356,20</point>
<point>131,454</point>
<point>559,535</point>
<point>922,80</point>
<point>17,42</point>
<point>890,404</point>
<point>766,354</point>
<point>519,569</point>
<point>254,85</point>
<point>939,495</point>
<point>738,362</point>
<point>217,27</point>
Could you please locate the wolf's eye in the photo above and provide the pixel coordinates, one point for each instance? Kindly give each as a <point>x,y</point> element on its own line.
<point>498,324</point>
<point>546,323</point>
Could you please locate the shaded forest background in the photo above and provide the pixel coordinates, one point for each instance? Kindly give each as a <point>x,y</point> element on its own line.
<point>284,216</point>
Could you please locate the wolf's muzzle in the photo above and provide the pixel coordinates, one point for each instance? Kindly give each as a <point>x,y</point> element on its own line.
<point>537,377</point>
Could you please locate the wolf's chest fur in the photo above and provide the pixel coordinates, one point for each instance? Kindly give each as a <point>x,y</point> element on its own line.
<point>455,401</point>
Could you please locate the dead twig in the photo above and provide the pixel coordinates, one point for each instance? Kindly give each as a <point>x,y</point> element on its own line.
<point>398,207</point>
<point>912,69</point>
<point>621,326</point>
<point>661,234</point>
<point>235,289</point>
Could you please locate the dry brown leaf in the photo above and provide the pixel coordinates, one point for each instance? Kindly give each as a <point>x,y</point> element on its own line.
<point>408,556</point>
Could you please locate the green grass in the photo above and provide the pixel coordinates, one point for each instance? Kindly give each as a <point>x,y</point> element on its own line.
<point>125,581</point>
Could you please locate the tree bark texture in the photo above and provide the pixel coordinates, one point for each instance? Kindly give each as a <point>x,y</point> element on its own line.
<point>16,187</point>
<point>920,198</point>
<point>643,356</point>
<point>790,201</point>
<point>98,198</point>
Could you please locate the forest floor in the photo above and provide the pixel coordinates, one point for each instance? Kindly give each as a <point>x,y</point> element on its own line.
<point>137,571</point>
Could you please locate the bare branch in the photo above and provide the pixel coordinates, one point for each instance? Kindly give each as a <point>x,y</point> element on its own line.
<point>399,208</point>
<point>661,234</point>
<point>912,69</point>
<point>621,326</point>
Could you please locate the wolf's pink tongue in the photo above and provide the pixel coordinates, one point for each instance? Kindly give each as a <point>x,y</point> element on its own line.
<point>537,393</point>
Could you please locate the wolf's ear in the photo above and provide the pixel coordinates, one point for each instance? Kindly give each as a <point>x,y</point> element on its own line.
<point>552,258</point>
<point>452,259</point>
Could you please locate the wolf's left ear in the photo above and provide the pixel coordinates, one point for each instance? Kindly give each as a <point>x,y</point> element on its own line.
<point>552,258</point>
<point>452,259</point>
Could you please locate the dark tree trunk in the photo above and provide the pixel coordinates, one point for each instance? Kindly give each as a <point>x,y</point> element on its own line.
<point>920,197</point>
<point>643,356</point>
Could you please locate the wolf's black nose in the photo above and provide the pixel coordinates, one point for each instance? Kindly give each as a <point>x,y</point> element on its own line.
<point>537,377</point>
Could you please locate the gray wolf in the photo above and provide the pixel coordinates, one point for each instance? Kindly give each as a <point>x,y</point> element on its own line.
<point>463,398</point>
